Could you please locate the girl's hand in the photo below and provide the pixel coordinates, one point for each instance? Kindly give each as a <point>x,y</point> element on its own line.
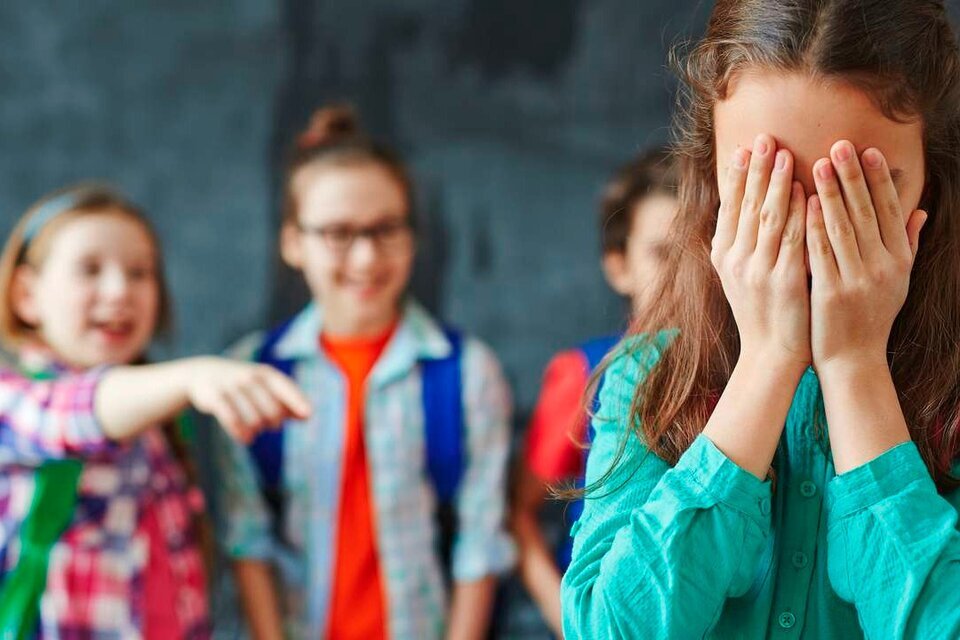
<point>758,251</point>
<point>243,397</point>
<point>860,257</point>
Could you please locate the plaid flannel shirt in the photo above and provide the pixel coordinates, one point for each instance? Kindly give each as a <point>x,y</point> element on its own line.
<point>95,575</point>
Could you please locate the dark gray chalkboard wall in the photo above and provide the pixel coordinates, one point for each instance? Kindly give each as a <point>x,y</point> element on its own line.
<point>511,113</point>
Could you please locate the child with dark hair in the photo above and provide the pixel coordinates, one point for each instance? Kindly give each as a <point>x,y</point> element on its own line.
<point>637,209</point>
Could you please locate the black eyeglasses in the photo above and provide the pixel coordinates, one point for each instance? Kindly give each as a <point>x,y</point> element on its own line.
<point>389,236</point>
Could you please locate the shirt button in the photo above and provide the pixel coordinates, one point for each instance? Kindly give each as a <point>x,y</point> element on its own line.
<point>764,506</point>
<point>799,559</point>
<point>808,489</point>
<point>787,620</point>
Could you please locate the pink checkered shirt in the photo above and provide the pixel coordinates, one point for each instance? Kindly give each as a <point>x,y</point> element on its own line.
<point>95,579</point>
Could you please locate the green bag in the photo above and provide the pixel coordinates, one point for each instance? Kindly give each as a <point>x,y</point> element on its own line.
<point>54,501</point>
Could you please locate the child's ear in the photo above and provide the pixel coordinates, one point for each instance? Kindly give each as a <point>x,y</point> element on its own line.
<point>291,246</point>
<point>615,270</point>
<point>22,295</point>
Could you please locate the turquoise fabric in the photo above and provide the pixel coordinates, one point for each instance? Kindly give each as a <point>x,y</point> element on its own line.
<point>706,550</point>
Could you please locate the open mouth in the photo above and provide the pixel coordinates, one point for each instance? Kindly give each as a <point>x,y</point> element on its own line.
<point>114,331</point>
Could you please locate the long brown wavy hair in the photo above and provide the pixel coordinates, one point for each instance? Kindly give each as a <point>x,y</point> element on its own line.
<point>904,55</point>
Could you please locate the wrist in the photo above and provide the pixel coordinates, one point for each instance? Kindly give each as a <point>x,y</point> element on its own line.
<point>194,365</point>
<point>773,361</point>
<point>188,371</point>
<point>851,368</point>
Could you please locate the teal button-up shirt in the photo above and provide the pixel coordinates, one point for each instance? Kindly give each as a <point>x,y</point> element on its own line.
<point>704,549</point>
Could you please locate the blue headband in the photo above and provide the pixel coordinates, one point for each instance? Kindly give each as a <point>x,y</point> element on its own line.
<point>47,212</point>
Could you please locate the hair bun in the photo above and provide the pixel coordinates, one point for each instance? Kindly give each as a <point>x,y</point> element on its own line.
<point>329,124</point>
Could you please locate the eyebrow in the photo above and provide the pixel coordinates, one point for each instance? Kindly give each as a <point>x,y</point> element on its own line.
<point>896,175</point>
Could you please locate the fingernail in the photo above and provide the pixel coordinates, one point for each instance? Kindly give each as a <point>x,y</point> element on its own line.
<point>872,158</point>
<point>825,170</point>
<point>815,204</point>
<point>740,158</point>
<point>781,162</point>
<point>842,152</point>
<point>760,145</point>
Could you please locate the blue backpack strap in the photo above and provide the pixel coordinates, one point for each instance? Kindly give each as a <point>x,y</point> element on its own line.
<point>442,383</point>
<point>594,351</point>
<point>444,429</point>
<point>597,349</point>
<point>267,448</point>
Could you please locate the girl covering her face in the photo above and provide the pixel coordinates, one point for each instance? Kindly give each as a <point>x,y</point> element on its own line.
<point>775,447</point>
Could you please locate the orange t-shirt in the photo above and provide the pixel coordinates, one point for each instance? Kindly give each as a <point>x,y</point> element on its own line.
<point>357,607</point>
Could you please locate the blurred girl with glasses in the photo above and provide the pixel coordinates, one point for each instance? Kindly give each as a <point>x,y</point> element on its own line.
<point>336,527</point>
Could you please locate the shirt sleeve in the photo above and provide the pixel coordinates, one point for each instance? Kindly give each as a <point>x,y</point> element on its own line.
<point>893,549</point>
<point>245,529</point>
<point>50,419</point>
<point>558,424</point>
<point>482,546</point>
<point>245,523</point>
<point>658,550</point>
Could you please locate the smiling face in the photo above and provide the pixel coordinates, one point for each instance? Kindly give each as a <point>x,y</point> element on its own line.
<point>95,298</point>
<point>807,115</point>
<point>361,285</point>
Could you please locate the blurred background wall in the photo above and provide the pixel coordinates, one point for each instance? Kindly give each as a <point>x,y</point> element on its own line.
<point>512,114</point>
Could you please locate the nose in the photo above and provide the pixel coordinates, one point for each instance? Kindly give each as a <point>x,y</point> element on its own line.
<point>114,283</point>
<point>363,252</point>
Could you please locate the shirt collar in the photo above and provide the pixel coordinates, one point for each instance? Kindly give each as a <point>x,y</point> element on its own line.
<point>418,337</point>
<point>36,359</point>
